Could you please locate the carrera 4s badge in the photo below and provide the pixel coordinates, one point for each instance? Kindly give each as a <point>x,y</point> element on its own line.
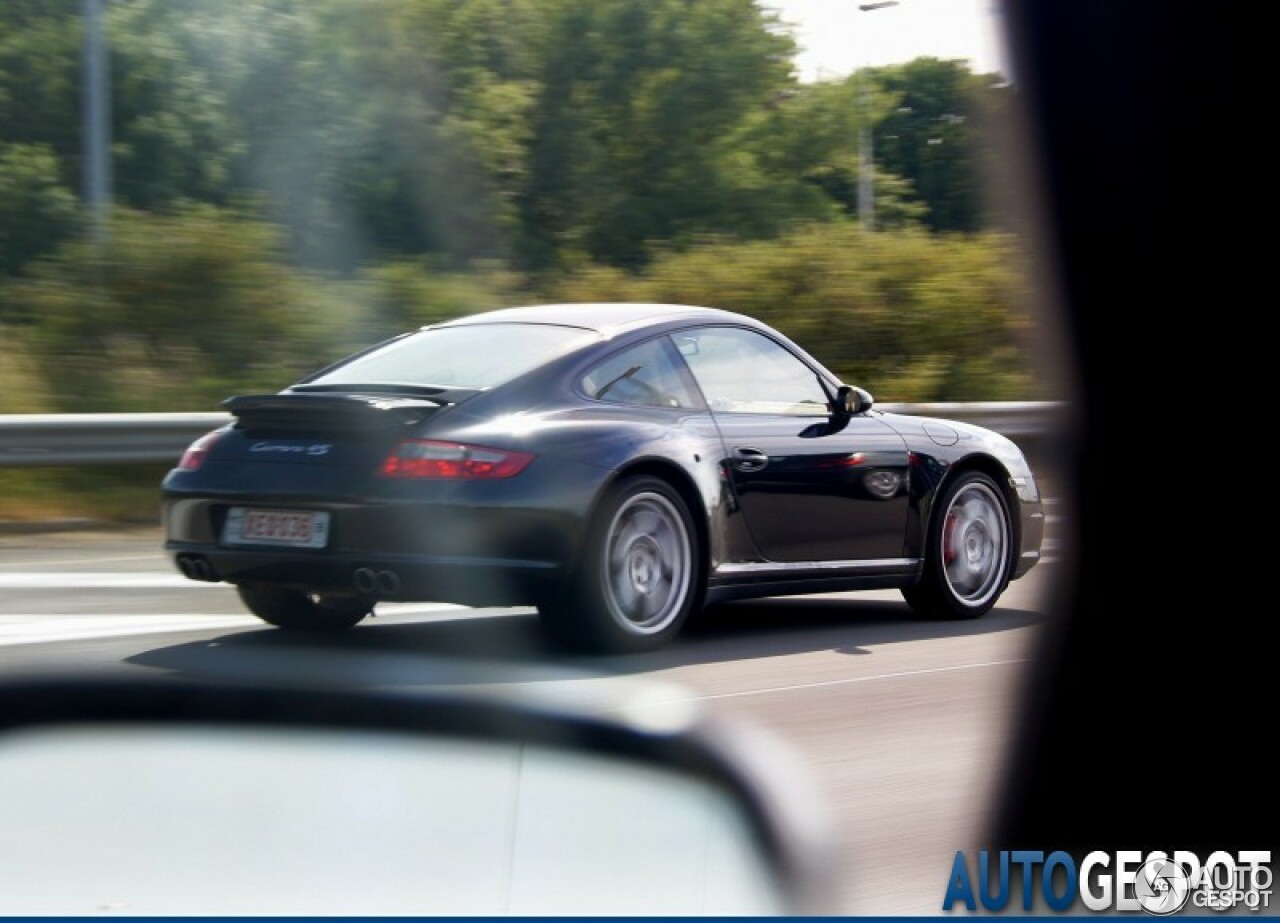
<point>294,448</point>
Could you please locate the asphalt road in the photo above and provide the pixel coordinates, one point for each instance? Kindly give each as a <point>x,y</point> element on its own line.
<point>901,722</point>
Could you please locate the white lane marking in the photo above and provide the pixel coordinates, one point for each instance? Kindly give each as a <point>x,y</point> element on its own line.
<point>38,629</point>
<point>767,690</point>
<point>42,628</point>
<point>417,608</point>
<point>110,580</point>
<point>136,581</point>
<point>151,556</point>
<point>105,580</point>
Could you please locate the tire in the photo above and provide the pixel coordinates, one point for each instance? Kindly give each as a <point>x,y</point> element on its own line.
<point>297,610</point>
<point>639,575</point>
<point>969,551</point>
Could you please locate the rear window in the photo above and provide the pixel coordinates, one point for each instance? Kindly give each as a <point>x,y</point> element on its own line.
<point>471,356</point>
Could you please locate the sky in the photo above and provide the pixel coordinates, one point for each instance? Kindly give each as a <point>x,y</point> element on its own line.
<point>836,37</point>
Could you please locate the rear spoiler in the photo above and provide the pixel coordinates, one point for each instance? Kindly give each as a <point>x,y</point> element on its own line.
<point>329,411</point>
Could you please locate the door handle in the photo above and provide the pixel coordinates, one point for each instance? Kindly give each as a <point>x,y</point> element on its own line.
<point>746,458</point>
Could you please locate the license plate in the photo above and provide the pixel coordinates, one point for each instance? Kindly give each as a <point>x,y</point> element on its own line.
<point>294,528</point>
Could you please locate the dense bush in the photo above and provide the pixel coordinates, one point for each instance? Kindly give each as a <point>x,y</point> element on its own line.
<point>22,387</point>
<point>909,315</point>
<point>176,313</point>
<point>169,313</point>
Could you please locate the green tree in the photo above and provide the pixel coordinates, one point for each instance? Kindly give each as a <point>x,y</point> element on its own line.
<point>635,129</point>
<point>813,135</point>
<point>36,211</point>
<point>171,138</point>
<point>40,44</point>
<point>348,126</point>
<point>938,137</point>
<point>556,131</point>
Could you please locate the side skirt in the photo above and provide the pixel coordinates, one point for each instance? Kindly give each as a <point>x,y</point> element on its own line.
<point>748,580</point>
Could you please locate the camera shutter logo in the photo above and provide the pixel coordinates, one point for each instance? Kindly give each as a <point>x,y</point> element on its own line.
<point>1162,887</point>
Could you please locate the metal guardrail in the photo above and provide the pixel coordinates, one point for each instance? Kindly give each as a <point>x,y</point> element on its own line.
<point>42,440</point>
<point>1015,419</point>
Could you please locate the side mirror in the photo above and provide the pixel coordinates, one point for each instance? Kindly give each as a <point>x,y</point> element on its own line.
<point>852,401</point>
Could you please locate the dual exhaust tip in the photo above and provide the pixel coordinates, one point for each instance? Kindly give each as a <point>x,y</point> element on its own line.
<point>366,579</point>
<point>380,583</point>
<point>197,567</point>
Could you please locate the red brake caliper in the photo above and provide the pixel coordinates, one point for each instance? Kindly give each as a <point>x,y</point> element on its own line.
<point>948,539</point>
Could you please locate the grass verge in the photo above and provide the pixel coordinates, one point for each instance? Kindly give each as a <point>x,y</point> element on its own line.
<point>125,494</point>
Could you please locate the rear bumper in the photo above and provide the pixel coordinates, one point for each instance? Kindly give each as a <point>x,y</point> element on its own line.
<point>472,581</point>
<point>439,552</point>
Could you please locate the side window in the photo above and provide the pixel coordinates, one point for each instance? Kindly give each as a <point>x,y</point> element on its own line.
<point>741,371</point>
<point>645,374</point>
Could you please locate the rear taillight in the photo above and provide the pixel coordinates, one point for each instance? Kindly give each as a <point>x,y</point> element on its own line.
<point>196,453</point>
<point>426,458</point>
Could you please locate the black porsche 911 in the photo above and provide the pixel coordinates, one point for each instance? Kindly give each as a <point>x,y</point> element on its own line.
<point>618,466</point>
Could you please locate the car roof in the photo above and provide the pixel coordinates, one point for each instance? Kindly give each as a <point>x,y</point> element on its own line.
<point>607,319</point>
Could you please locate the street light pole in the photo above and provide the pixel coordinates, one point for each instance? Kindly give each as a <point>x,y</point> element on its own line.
<point>866,153</point>
<point>97,120</point>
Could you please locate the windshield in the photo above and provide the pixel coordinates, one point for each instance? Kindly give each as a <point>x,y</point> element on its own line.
<point>473,356</point>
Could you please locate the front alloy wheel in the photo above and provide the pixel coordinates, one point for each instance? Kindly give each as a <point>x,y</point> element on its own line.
<point>970,548</point>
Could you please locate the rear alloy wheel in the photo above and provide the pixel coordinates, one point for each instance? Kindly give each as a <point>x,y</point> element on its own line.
<point>298,610</point>
<point>639,576</point>
<point>970,547</point>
